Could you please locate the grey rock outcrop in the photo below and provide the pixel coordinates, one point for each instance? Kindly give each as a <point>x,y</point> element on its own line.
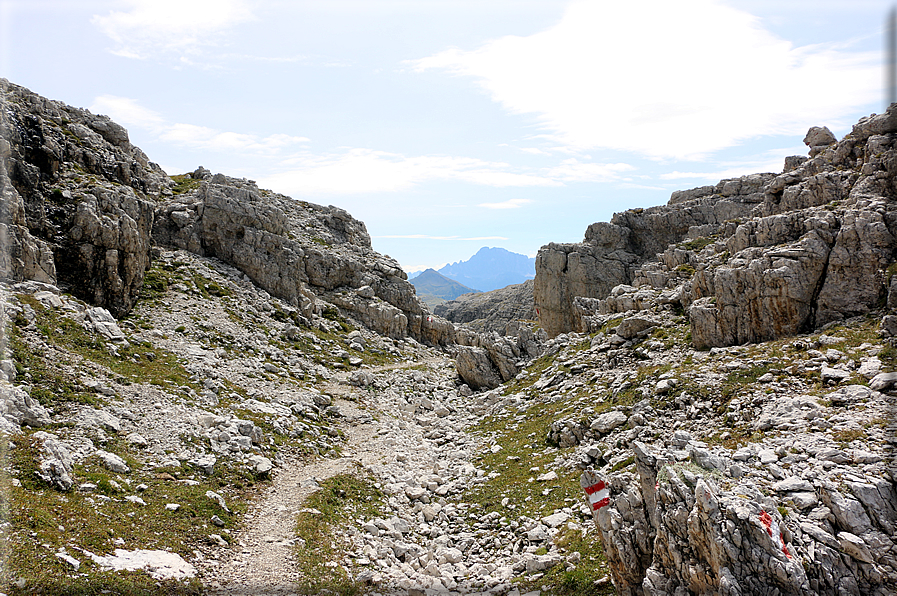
<point>55,464</point>
<point>475,368</point>
<point>693,526</point>
<point>611,252</point>
<point>318,258</point>
<point>750,259</point>
<point>82,207</point>
<point>19,408</point>
<point>77,208</point>
<point>491,311</point>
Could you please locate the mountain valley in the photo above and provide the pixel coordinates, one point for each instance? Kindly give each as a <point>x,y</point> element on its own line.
<point>211,388</point>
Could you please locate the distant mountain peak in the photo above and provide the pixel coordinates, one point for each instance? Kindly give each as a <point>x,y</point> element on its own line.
<point>434,288</point>
<point>492,268</point>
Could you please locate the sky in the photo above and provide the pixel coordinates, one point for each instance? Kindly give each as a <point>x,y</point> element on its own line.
<point>449,125</point>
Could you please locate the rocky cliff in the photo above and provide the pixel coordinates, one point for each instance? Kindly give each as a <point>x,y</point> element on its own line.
<point>77,200</point>
<point>83,207</point>
<point>492,311</point>
<point>749,259</point>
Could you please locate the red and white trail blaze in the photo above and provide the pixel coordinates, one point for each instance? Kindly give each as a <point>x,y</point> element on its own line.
<point>598,495</point>
<point>772,528</point>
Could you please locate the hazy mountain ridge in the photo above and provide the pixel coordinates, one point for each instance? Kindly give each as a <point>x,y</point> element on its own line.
<point>434,288</point>
<point>491,269</point>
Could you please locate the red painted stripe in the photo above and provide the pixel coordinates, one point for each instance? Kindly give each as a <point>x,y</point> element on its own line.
<point>595,488</point>
<point>602,503</point>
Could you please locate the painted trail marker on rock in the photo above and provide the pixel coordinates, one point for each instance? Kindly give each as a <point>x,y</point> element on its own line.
<point>596,490</point>
<point>772,528</point>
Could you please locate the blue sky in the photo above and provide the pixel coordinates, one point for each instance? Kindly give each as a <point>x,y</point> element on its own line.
<point>448,125</point>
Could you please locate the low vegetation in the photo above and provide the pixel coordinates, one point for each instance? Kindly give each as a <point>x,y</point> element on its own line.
<point>340,502</point>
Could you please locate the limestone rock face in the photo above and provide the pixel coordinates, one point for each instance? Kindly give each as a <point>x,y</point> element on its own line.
<point>82,206</point>
<point>674,528</point>
<point>75,209</point>
<point>491,311</point>
<point>319,258</point>
<point>611,252</point>
<point>297,251</point>
<point>749,259</point>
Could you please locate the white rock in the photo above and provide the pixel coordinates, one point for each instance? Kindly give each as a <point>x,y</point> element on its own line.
<point>555,519</point>
<point>542,562</point>
<point>792,484</point>
<point>451,555</point>
<point>261,464</point>
<point>113,462</point>
<point>69,559</point>
<point>218,499</point>
<point>608,421</point>
<point>537,534</point>
<point>137,440</point>
<point>159,564</point>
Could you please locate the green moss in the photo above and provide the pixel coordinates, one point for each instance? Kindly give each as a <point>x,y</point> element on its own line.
<point>623,464</point>
<point>184,183</point>
<point>698,243</point>
<point>686,269</point>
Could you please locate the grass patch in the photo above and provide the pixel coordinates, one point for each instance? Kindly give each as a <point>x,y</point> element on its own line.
<point>584,579</point>
<point>341,500</point>
<point>184,183</point>
<point>845,437</point>
<point>139,362</point>
<point>44,521</point>
<point>523,448</point>
<point>698,243</point>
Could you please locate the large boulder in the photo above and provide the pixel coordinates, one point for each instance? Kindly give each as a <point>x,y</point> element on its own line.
<point>475,368</point>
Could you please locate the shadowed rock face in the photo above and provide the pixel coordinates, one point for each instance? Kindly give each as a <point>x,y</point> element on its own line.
<point>491,311</point>
<point>77,200</point>
<point>750,259</point>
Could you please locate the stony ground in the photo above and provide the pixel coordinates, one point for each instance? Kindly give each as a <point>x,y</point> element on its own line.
<point>206,424</point>
<point>277,458</point>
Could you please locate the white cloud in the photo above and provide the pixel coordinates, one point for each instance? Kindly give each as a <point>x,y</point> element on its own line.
<point>129,113</point>
<point>534,151</point>
<point>352,170</point>
<point>572,170</point>
<point>665,79</point>
<point>428,237</point>
<point>509,204</point>
<point>151,27</point>
<point>364,170</point>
